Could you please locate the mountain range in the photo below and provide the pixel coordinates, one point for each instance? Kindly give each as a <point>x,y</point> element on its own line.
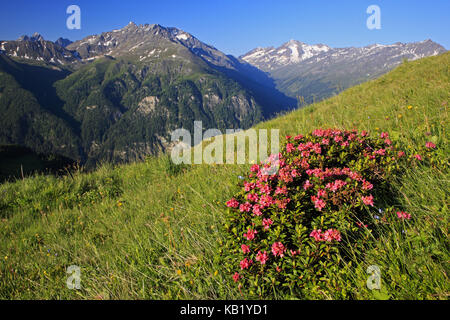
<point>117,96</point>
<point>315,72</point>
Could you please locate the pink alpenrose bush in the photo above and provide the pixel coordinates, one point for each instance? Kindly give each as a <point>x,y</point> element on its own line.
<point>293,229</point>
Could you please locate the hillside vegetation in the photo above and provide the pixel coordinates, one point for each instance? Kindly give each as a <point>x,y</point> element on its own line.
<point>152,230</point>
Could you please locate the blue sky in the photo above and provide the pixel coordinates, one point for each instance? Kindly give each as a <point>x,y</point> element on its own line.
<point>236,27</point>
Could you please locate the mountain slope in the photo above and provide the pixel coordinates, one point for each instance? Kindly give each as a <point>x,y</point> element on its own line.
<point>149,44</point>
<point>123,92</point>
<point>31,114</point>
<point>314,72</point>
<point>127,111</point>
<point>148,231</point>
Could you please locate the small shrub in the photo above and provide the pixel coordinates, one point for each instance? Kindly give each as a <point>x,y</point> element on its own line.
<point>295,230</point>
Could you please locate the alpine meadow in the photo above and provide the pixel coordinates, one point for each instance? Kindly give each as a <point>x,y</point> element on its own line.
<point>93,205</point>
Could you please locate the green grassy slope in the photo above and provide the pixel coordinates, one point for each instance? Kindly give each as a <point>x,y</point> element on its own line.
<point>151,230</point>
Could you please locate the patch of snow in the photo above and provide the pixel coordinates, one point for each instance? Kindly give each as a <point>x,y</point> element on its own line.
<point>182,36</point>
<point>136,46</point>
<point>295,55</point>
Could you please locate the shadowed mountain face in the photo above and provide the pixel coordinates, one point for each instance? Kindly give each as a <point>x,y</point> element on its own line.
<point>117,96</point>
<point>315,72</point>
<point>18,162</point>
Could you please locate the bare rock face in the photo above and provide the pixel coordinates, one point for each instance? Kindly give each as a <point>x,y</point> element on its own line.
<point>147,105</point>
<point>37,49</point>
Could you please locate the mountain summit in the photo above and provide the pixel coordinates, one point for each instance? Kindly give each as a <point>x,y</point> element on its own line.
<point>291,52</point>
<point>35,37</point>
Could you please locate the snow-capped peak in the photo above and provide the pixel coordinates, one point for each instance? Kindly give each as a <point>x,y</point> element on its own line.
<point>292,52</point>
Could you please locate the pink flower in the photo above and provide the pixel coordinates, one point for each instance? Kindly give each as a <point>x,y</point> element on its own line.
<point>332,234</point>
<point>307,185</point>
<point>319,204</point>
<point>304,164</point>
<point>257,210</point>
<point>252,197</point>
<point>262,257</point>
<point>245,248</point>
<point>368,200</point>
<point>325,141</point>
<point>282,190</point>
<point>384,135</point>
<point>254,168</point>
<point>245,207</point>
<point>266,189</point>
<point>266,201</point>
<point>381,152</point>
<point>294,173</point>
<point>329,235</point>
<point>317,235</point>
<point>418,157</point>
<point>290,147</point>
<point>321,193</point>
<point>336,185</point>
<point>403,215</point>
<point>317,149</point>
<point>236,277</point>
<point>430,145</point>
<point>245,264</point>
<point>267,223</point>
<point>278,249</point>
<point>232,203</point>
<point>367,185</point>
<point>249,186</point>
<point>401,154</point>
<point>250,235</point>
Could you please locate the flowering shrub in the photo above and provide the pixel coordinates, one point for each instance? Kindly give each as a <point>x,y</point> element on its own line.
<point>296,227</point>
